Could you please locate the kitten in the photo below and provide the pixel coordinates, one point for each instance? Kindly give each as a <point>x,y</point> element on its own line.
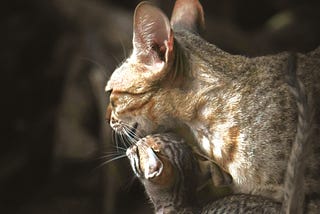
<point>167,168</point>
<point>240,110</point>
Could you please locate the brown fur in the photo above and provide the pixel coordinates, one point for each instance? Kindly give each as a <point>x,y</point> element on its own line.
<point>173,188</point>
<point>240,109</point>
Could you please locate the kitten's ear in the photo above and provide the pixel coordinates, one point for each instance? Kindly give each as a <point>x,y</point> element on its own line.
<point>188,15</point>
<point>152,36</point>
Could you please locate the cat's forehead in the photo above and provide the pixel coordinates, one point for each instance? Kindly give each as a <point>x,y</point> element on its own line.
<point>129,77</point>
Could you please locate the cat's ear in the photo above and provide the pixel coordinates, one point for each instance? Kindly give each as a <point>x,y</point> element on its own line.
<point>188,15</point>
<point>152,37</point>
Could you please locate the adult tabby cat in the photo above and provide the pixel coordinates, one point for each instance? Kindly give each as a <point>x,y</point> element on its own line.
<point>166,166</point>
<point>240,109</point>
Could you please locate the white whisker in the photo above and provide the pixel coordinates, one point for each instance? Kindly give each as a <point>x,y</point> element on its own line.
<point>138,132</point>
<point>121,148</point>
<point>124,142</point>
<point>114,138</point>
<point>113,159</point>
<point>130,137</point>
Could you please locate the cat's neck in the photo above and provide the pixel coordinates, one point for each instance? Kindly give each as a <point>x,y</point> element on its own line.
<point>196,77</point>
<point>209,63</point>
<point>210,91</point>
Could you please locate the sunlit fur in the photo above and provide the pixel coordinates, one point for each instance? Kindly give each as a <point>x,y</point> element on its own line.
<point>242,106</point>
<point>173,190</point>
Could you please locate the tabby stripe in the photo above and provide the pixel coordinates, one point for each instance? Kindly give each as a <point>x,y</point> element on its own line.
<point>171,154</point>
<point>181,176</point>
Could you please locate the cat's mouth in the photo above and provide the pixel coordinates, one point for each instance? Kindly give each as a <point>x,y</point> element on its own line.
<point>122,128</point>
<point>126,134</point>
<point>133,131</point>
<point>144,161</point>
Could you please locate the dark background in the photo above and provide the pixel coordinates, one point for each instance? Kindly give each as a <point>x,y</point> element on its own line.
<point>55,58</point>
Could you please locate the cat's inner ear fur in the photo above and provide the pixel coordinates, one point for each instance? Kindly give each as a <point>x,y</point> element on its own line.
<point>152,37</point>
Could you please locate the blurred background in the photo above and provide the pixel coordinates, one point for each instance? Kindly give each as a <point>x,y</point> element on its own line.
<point>55,58</point>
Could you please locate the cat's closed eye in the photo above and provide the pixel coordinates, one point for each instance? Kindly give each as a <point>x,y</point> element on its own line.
<point>108,93</point>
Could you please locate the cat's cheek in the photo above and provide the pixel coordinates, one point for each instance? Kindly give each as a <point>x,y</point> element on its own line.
<point>145,126</point>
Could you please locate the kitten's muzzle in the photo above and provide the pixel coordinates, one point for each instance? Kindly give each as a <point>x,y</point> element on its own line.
<point>154,165</point>
<point>144,161</point>
<point>133,155</point>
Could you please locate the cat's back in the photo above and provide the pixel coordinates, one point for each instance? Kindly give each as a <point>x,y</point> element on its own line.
<point>308,70</point>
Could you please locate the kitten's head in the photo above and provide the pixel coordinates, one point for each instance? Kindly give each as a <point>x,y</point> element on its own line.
<point>163,161</point>
<point>142,80</point>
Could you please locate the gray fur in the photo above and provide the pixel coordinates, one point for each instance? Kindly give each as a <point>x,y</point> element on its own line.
<point>241,110</point>
<point>180,198</point>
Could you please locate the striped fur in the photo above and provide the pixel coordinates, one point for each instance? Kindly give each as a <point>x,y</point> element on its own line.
<point>173,193</point>
<point>294,189</point>
<point>241,110</point>
<point>180,196</point>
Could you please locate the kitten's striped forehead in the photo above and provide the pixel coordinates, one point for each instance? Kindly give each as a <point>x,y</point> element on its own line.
<point>160,142</point>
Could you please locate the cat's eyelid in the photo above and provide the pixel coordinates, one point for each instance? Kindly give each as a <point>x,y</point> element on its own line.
<point>108,88</point>
<point>108,91</point>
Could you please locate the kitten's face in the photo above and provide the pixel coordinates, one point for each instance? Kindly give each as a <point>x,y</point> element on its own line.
<point>151,162</point>
<point>157,158</point>
<point>136,85</point>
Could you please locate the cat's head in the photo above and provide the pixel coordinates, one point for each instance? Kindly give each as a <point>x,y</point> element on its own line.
<point>140,82</point>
